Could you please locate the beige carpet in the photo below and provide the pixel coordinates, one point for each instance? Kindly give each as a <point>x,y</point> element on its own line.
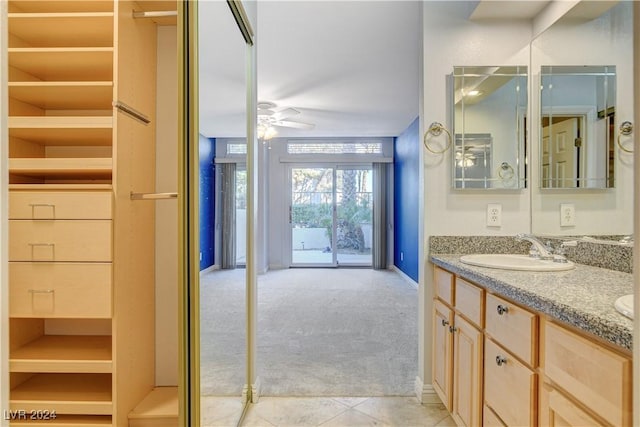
<point>321,332</point>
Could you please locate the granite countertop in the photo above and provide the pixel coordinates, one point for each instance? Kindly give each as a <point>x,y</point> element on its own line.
<point>582,297</point>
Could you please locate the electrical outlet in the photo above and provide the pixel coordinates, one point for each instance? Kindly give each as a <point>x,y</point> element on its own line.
<point>494,215</point>
<point>567,215</point>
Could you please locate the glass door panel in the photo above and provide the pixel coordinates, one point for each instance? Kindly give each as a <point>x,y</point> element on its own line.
<point>241,215</point>
<point>354,212</point>
<point>312,216</point>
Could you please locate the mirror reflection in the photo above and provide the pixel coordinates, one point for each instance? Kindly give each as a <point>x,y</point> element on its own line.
<point>577,125</point>
<point>489,110</point>
<point>586,41</point>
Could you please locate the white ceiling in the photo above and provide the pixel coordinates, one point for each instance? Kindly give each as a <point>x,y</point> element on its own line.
<point>349,67</point>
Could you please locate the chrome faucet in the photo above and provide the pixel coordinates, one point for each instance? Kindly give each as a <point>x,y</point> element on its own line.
<point>538,249</point>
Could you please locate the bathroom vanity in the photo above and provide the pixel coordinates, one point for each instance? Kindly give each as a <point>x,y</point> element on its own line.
<point>515,348</point>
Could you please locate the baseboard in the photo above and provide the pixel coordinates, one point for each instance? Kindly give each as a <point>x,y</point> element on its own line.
<point>404,276</point>
<point>425,393</point>
<point>256,388</point>
<point>210,269</point>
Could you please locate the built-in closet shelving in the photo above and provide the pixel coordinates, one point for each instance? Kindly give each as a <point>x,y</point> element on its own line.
<point>81,282</point>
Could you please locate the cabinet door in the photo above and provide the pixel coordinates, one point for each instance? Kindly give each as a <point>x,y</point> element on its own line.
<point>563,412</point>
<point>442,352</point>
<point>467,373</point>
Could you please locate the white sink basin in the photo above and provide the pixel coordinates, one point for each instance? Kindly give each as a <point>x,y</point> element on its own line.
<point>624,305</point>
<point>515,262</point>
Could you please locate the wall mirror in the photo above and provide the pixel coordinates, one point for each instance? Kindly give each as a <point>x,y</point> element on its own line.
<point>489,132</point>
<point>577,126</point>
<point>582,69</point>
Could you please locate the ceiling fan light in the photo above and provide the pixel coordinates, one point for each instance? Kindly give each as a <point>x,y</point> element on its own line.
<point>270,132</point>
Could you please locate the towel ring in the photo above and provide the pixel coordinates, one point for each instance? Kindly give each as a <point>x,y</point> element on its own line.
<point>626,129</point>
<point>505,171</point>
<point>436,129</point>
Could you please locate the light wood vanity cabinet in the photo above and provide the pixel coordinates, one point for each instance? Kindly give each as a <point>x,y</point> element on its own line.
<point>584,380</point>
<point>501,364</point>
<point>457,368</point>
<point>81,273</point>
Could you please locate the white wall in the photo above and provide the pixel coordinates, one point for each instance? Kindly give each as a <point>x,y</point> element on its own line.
<point>167,210</point>
<point>603,41</point>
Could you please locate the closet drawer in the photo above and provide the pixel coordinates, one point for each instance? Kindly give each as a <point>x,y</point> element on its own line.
<point>59,290</point>
<point>594,375</point>
<point>513,327</point>
<point>74,240</point>
<point>469,301</point>
<point>443,282</point>
<point>509,386</point>
<point>47,205</point>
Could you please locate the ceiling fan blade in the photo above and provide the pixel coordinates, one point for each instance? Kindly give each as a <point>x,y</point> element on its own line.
<point>296,125</point>
<point>285,114</point>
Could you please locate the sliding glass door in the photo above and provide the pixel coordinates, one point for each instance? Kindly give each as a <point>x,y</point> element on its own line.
<point>311,214</point>
<point>330,215</point>
<point>354,212</point>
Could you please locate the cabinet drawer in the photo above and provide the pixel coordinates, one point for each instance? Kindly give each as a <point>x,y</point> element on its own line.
<point>509,387</point>
<point>594,375</point>
<point>59,205</point>
<point>513,327</point>
<point>469,301</point>
<point>74,240</point>
<point>59,290</point>
<point>490,419</point>
<point>443,282</point>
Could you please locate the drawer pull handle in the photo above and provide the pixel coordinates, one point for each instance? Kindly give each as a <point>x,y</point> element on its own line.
<point>445,322</point>
<point>452,329</point>
<point>501,360</point>
<point>41,291</point>
<point>42,205</point>
<point>502,309</point>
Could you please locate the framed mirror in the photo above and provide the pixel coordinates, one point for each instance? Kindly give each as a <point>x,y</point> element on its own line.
<point>489,132</point>
<point>577,119</point>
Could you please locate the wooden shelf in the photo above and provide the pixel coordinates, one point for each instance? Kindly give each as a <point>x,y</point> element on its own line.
<point>61,187</point>
<point>80,394</point>
<point>68,421</point>
<point>52,6</point>
<point>71,354</point>
<point>64,64</point>
<point>94,167</point>
<point>64,95</point>
<point>68,131</point>
<point>88,29</point>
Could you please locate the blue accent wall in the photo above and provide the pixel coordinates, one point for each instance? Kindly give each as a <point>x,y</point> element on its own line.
<point>207,201</point>
<point>406,173</point>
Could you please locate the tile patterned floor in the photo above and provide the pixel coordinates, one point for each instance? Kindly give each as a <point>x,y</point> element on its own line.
<point>325,412</point>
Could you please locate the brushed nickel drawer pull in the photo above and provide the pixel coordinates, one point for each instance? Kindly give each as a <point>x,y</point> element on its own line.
<point>445,322</point>
<point>452,329</point>
<point>41,291</point>
<point>501,360</point>
<point>502,309</point>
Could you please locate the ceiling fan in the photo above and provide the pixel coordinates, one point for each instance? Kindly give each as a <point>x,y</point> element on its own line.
<point>268,117</point>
